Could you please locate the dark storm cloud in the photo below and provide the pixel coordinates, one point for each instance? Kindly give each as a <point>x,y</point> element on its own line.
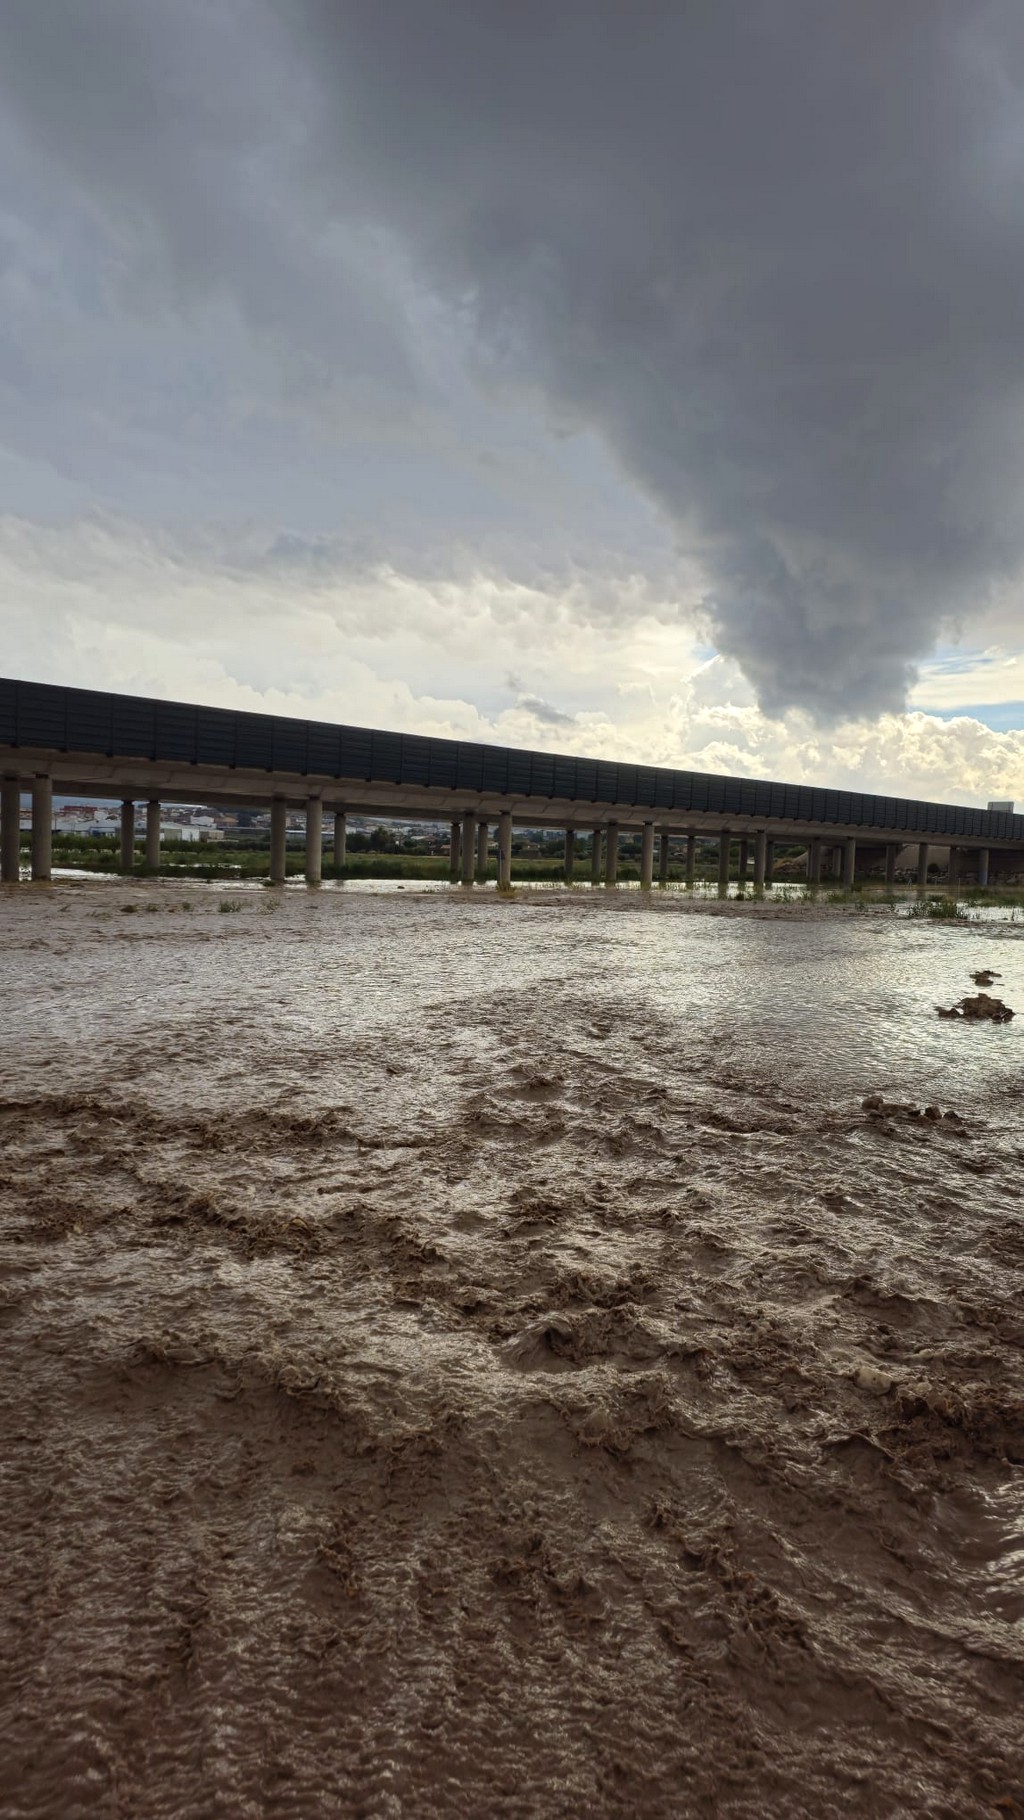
<point>773,254</point>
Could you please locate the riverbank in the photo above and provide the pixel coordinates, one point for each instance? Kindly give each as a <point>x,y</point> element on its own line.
<point>482,1356</point>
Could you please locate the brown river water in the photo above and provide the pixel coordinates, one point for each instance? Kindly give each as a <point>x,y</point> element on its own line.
<point>480,1358</point>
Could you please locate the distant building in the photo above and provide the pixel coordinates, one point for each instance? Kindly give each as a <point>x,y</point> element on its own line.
<point>1002,808</point>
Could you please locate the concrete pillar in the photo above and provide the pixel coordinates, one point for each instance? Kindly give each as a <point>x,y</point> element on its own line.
<point>647,857</point>
<point>455,853</point>
<point>482,837</point>
<point>278,840</point>
<point>724,854</point>
<point>127,835</point>
<point>152,836</point>
<point>891,856</point>
<point>10,830</point>
<point>340,839</point>
<point>663,857</point>
<point>691,860</point>
<point>505,851</point>
<point>42,826</point>
<point>760,859</point>
<point>314,840</point>
<point>611,853</point>
<point>849,863</point>
<point>744,857</point>
<point>922,865</point>
<point>595,859</point>
<point>983,865</point>
<point>468,847</point>
<point>814,860</point>
<point>953,872</point>
<point>769,862</point>
<point>570,855</point>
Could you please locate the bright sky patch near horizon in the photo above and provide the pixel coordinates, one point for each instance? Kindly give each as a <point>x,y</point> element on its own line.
<point>643,382</point>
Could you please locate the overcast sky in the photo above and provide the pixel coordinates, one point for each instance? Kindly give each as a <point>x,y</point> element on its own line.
<point>638,380</point>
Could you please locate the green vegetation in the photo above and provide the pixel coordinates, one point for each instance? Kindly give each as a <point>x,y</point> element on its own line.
<point>942,909</point>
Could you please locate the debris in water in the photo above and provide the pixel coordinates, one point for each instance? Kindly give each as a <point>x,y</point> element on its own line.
<point>981,1006</point>
<point>877,1107</point>
<point>986,977</point>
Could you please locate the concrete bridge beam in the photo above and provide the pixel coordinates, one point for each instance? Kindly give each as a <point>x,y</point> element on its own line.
<point>505,851</point>
<point>741,870</point>
<point>814,860</point>
<point>760,859</point>
<point>42,826</point>
<point>849,863</point>
<point>611,854</point>
<point>340,839</point>
<point>647,857</point>
<point>569,868</point>
<point>922,865</point>
<point>482,839</point>
<point>983,865</point>
<point>595,858</point>
<point>455,853</point>
<point>10,830</point>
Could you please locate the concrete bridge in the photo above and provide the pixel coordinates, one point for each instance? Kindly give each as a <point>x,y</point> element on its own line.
<point>83,742</point>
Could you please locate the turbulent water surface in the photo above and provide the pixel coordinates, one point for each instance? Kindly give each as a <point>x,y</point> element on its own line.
<point>480,1358</point>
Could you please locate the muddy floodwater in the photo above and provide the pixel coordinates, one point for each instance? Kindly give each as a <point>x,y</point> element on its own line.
<point>480,1358</point>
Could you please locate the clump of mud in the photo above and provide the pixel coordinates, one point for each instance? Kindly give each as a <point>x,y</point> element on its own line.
<point>981,1006</point>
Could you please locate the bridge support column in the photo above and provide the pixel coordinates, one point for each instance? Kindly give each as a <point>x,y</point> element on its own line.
<point>724,856</point>
<point>663,857</point>
<point>455,853</point>
<point>849,863</point>
<point>570,855</point>
<point>468,847</point>
<point>611,854</point>
<point>743,861</point>
<point>505,851</point>
<point>891,856</point>
<point>769,862</point>
<point>953,871</point>
<point>152,836</point>
<point>691,860</point>
<point>647,857</point>
<point>314,840</point>
<point>127,835</point>
<point>760,859</point>
<point>10,830</point>
<point>42,827</point>
<point>278,840</point>
<point>482,837</point>
<point>983,865</point>
<point>340,839</point>
<point>595,858</point>
<point>814,860</point>
<point>922,865</point>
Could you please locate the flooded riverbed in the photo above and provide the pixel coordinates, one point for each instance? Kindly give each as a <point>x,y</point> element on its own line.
<point>481,1358</point>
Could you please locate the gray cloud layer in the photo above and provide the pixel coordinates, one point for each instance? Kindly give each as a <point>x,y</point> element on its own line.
<point>773,255</point>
